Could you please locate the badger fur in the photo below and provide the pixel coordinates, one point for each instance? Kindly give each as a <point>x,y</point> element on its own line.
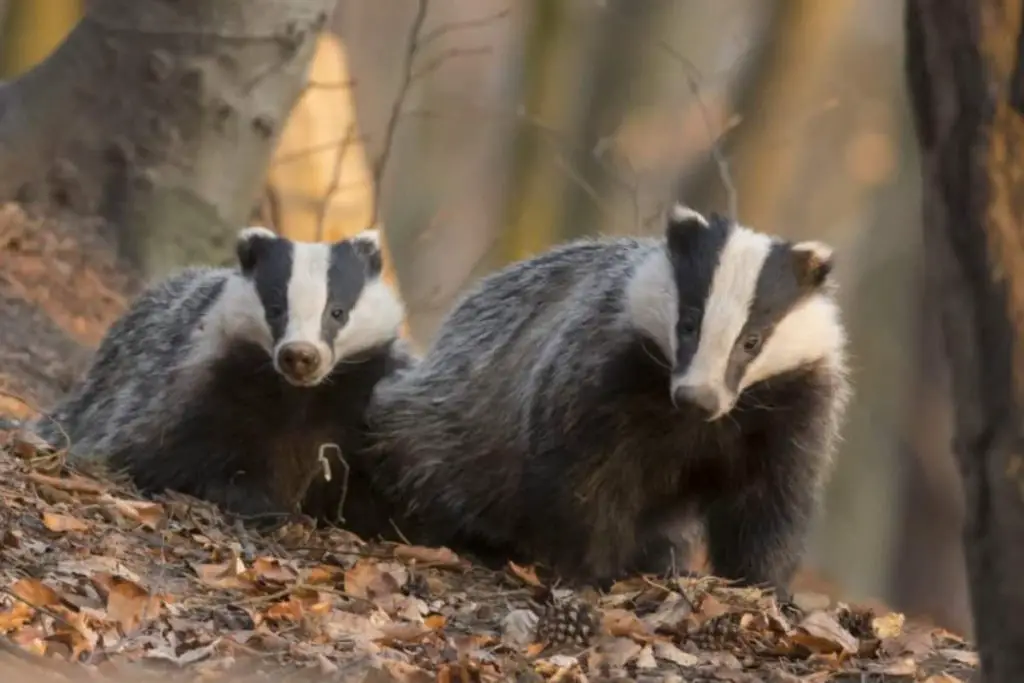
<point>576,407</point>
<point>227,383</point>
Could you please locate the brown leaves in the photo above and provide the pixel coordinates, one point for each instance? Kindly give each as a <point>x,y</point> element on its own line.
<point>62,523</point>
<point>90,573</point>
<point>442,558</point>
<point>820,633</point>
<point>370,580</point>
<point>128,604</point>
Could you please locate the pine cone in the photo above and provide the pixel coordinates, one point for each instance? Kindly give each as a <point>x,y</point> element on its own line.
<point>718,633</point>
<point>857,622</point>
<point>567,622</point>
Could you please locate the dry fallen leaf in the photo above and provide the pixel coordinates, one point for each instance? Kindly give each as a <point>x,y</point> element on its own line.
<point>670,613</point>
<point>402,633</point>
<point>324,574</point>
<point>368,579</point>
<point>228,575</point>
<point>436,557</point>
<point>128,603</point>
<point>290,610</point>
<point>527,575</point>
<point>15,617</point>
<point>711,607</point>
<point>36,593</point>
<point>74,483</point>
<point>962,656</point>
<point>271,569</point>
<point>340,625</point>
<point>822,634</point>
<point>63,523</point>
<point>615,654</point>
<point>435,621</point>
<point>671,653</point>
<point>140,512</point>
<point>621,622</point>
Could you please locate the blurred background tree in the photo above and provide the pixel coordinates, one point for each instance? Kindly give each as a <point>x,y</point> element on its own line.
<point>489,130</point>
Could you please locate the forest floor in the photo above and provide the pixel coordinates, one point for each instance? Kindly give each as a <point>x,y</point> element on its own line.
<point>97,583</point>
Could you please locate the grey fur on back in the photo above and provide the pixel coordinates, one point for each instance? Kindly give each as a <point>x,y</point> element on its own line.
<point>539,427</point>
<point>132,384</point>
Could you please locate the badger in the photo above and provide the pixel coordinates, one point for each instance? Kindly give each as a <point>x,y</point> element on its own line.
<point>236,384</point>
<point>577,407</point>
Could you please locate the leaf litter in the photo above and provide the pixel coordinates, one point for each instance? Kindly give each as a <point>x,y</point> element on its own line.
<point>99,584</point>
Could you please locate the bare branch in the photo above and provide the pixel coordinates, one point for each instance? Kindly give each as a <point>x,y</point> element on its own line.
<point>463,25</point>
<point>692,76</point>
<point>451,53</point>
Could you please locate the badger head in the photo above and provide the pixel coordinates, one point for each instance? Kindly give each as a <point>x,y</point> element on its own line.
<point>323,302</point>
<point>732,307</point>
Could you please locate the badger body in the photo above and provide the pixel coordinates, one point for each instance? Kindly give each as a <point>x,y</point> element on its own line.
<point>230,383</point>
<point>577,407</point>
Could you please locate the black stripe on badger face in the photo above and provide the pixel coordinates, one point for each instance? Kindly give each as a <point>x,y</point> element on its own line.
<point>750,307</point>
<point>323,302</point>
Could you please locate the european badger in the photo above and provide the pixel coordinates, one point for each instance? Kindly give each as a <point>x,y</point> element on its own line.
<point>230,383</point>
<point>576,407</point>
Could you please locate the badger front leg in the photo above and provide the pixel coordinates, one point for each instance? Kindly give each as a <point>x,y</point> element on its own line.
<point>757,535</point>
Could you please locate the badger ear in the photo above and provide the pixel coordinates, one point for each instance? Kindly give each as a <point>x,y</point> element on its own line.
<point>684,226</point>
<point>813,263</point>
<point>249,244</point>
<point>368,245</point>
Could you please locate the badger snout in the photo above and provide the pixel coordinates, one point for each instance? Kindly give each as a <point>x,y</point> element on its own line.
<point>299,362</point>
<point>704,396</point>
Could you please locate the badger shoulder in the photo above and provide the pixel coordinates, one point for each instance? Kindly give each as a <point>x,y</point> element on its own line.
<point>133,362</point>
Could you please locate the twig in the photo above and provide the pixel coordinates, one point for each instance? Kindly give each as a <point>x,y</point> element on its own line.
<point>451,53</point>
<point>716,150</point>
<point>454,26</point>
<point>412,46</point>
<point>399,532</point>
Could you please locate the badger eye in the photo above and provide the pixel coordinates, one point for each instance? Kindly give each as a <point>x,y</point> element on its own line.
<point>339,314</point>
<point>752,343</point>
<point>688,325</point>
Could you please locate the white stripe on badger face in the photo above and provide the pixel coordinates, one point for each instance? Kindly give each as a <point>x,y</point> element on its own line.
<point>237,315</point>
<point>652,302</point>
<point>373,320</point>
<point>726,310</point>
<point>307,299</point>
<point>812,331</point>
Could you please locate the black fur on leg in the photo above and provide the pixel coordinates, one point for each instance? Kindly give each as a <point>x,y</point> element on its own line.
<point>755,535</point>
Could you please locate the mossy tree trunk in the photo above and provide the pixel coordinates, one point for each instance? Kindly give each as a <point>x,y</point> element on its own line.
<point>160,117</point>
<point>966,78</point>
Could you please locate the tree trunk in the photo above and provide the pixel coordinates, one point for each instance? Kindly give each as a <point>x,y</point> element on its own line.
<point>160,117</point>
<point>964,74</point>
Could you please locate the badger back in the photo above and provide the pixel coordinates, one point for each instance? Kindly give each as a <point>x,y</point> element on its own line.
<point>323,303</point>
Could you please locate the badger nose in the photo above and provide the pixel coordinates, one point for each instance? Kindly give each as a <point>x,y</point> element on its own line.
<point>298,359</point>
<point>700,395</point>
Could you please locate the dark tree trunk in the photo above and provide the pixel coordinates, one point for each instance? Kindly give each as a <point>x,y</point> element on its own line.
<point>964,75</point>
<point>160,117</point>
